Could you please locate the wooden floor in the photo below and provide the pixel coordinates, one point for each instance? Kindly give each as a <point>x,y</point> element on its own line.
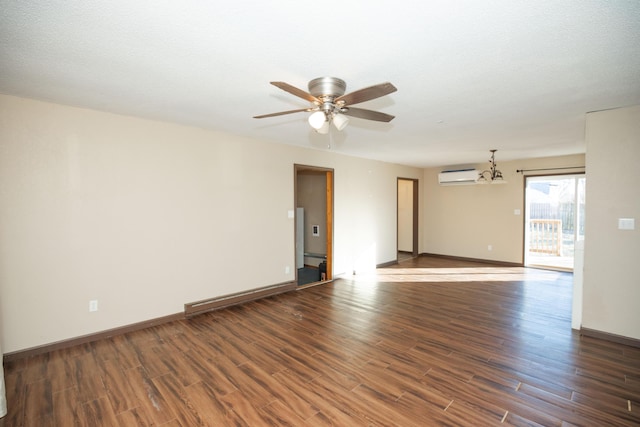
<point>431,342</point>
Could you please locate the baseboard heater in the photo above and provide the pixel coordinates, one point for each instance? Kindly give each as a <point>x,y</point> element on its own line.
<point>198,307</point>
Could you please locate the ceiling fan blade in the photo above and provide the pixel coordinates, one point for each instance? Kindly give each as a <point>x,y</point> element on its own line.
<point>297,92</point>
<point>366,94</point>
<point>282,113</point>
<point>361,113</point>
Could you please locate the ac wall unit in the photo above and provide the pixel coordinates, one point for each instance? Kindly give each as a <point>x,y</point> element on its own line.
<point>458,177</point>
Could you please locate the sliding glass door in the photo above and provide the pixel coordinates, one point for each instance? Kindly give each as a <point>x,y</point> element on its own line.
<point>554,220</point>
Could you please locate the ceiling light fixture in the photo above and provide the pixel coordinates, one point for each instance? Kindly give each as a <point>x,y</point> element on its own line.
<point>330,104</point>
<point>324,129</point>
<point>320,121</point>
<point>340,121</point>
<point>317,120</point>
<point>491,175</point>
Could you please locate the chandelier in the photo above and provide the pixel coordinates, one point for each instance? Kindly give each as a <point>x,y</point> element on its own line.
<point>491,175</point>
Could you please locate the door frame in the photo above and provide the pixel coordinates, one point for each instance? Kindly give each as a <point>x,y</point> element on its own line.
<point>329,179</point>
<point>415,216</point>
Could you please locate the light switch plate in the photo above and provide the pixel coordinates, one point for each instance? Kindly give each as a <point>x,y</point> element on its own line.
<point>626,223</point>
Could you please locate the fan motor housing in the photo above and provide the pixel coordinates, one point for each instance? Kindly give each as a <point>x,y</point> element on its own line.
<point>327,86</point>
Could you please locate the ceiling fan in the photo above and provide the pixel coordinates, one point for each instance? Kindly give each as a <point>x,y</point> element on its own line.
<point>331,105</point>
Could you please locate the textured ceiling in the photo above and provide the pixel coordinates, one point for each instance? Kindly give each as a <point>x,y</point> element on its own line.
<point>517,76</point>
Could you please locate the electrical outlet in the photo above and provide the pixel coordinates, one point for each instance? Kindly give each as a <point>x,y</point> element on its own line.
<point>287,270</point>
<point>489,248</point>
<point>93,305</point>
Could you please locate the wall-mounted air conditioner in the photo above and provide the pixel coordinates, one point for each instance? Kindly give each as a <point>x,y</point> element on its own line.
<point>458,177</point>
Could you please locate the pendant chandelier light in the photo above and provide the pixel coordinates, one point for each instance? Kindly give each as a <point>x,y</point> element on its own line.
<point>491,175</point>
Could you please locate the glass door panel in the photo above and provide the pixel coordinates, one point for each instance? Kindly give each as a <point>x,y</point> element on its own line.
<point>554,220</point>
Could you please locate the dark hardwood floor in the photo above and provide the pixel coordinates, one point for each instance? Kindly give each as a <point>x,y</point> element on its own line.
<point>428,342</point>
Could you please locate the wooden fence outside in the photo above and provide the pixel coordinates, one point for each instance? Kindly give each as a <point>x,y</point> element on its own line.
<point>546,236</point>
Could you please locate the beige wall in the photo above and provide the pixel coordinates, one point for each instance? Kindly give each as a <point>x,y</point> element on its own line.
<point>464,220</point>
<point>145,216</point>
<point>611,265</point>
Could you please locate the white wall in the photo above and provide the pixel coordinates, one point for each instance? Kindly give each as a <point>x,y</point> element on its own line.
<point>464,220</point>
<point>145,216</point>
<point>611,263</point>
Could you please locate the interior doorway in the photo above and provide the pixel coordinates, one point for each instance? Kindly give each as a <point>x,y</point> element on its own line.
<point>314,224</point>
<point>407,214</point>
<point>554,220</point>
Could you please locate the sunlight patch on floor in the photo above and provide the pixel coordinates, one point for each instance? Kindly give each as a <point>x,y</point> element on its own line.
<point>468,274</point>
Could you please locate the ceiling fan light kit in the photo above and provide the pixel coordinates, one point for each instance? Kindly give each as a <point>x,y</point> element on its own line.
<point>317,119</point>
<point>320,120</point>
<point>340,121</point>
<point>324,129</point>
<point>331,105</point>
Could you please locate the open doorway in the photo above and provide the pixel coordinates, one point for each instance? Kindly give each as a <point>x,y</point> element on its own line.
<point>407,232</point>
<point>314,224</point>
<point>554,220</point>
